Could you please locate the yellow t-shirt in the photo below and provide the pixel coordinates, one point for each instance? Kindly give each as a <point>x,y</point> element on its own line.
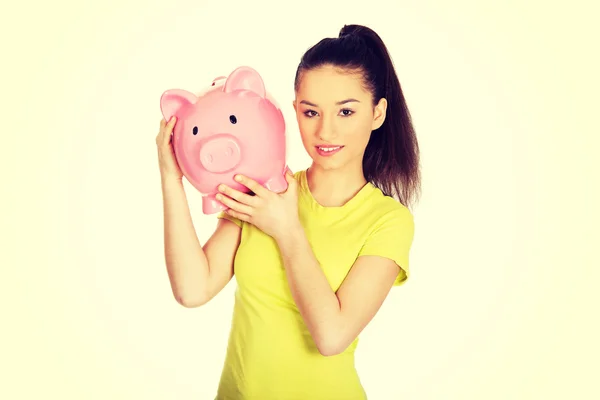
<point>270,353</point>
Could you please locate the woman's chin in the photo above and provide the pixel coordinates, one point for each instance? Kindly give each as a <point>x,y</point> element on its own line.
<point>327,163</point>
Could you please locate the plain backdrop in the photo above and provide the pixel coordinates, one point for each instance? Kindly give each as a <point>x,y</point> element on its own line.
<point>502,302</point>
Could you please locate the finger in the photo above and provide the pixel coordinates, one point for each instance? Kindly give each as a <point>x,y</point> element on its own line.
<point>239,215</point>
<point>234,205</point>
<point>240,197</point>
<point>251,184</point>
<point>289,177</point>
<point>168,131</point>
<point>159,136</point>
<point>292,184</point>
<point>161,132</point>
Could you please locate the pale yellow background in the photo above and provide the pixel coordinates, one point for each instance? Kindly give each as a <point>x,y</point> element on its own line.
<point>503,300</point>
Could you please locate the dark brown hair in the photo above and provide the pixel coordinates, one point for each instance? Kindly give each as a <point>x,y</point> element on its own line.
<point>391,160</point>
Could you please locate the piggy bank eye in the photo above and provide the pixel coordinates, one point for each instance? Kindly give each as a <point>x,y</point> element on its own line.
<point>233,119</point>
<point>195,130</point>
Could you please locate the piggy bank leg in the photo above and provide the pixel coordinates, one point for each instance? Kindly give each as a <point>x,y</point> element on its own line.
<point>210,205</point>
<point>277,184</point>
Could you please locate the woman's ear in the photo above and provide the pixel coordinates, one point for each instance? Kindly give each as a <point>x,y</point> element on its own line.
<point>379,114</point>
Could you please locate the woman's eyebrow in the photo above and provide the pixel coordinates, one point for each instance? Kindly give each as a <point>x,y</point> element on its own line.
<point>339,103</point>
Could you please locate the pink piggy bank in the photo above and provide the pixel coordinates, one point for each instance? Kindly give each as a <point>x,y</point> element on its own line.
<point>232,127</point>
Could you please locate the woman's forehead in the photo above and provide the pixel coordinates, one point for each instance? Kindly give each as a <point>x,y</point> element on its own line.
<point>328,85</point>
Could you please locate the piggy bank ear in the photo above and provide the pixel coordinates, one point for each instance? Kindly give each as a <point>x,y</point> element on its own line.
<point>245,78</point>
<point>172,100</point>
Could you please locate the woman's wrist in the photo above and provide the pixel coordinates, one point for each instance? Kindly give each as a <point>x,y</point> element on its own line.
<point>170,180</point>
<point>290,236</point>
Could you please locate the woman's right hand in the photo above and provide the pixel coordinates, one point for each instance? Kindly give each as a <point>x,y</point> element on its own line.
<point>169,169</point>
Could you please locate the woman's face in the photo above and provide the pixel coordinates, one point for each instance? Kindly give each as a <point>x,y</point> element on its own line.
<point>336,116</point>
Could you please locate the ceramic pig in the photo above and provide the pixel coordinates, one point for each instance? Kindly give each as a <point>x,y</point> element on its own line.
<point>232,127</point>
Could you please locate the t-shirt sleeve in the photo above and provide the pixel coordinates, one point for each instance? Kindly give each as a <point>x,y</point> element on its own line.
<point>392,238</point>
<point>224,215</point>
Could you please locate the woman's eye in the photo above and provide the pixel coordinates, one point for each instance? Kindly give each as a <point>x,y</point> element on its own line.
<point>312,113</point>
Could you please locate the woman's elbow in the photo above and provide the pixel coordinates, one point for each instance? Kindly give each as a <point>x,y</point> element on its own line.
<point>190,301</point>
<point>332,346</point>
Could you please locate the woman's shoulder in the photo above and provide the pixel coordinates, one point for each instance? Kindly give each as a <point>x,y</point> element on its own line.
<point>298,174</point>
<point>377,212</point>
<point>385,205</point>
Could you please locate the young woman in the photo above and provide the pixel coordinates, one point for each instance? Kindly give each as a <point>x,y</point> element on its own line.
<point>314,264</point>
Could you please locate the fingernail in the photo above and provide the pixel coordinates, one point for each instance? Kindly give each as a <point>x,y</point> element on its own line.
<point>238,178</point>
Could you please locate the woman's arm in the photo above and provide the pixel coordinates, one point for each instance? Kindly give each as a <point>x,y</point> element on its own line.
<point>196,273</point>
<point>334,319</point>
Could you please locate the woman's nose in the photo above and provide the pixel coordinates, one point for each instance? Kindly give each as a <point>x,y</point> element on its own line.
<point>327,131</point>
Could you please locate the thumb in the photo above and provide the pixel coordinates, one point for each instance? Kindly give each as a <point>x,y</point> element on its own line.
<point>292,183</point>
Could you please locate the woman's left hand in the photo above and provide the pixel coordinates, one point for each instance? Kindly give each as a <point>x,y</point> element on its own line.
<point>273,213</point>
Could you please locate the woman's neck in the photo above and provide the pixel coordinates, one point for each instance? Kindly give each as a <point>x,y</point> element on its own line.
<point>334,187</point>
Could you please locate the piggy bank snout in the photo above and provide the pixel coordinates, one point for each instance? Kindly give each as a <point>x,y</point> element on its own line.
<point>220,153</point>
